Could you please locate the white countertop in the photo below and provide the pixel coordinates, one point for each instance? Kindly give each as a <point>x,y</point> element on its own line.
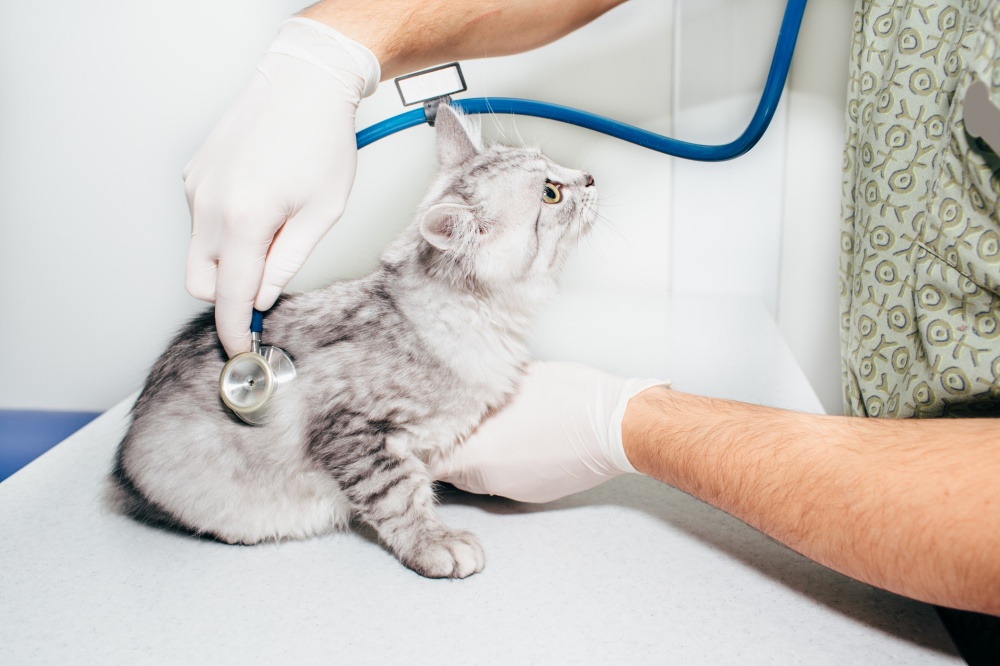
<point>631,572</point>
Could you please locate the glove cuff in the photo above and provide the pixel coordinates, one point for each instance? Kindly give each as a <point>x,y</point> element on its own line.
<point>616,449</point>
<point>325,48</point>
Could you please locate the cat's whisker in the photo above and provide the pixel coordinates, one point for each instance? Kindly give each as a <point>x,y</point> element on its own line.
<point>612,204</point>
<point>628,187</point>
<point>497,125</point>
<point>521,142</point>
<point>498,122</point>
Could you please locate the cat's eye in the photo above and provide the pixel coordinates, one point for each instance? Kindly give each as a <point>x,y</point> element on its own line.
<point>551,194</point>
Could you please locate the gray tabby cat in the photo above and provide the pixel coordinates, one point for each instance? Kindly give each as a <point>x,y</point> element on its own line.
<point>393,368</point>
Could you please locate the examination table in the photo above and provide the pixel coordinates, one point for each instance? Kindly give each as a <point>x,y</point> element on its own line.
<point>632,572</point>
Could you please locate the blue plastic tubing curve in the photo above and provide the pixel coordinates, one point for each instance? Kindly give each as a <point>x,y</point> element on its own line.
<point>692,151</point>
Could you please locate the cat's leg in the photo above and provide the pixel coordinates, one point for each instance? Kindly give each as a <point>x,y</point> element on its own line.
<point>390,489</point>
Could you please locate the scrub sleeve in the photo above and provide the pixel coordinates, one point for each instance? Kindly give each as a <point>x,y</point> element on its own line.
<point>920,266</point>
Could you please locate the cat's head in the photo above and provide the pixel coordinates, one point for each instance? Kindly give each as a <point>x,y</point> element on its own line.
<point>497,217</point>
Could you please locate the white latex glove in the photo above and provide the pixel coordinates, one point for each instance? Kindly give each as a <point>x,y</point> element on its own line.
<point>275,172</point>
<point>561,434</point>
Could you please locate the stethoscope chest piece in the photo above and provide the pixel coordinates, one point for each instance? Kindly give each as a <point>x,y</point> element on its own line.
<point>249,380</point>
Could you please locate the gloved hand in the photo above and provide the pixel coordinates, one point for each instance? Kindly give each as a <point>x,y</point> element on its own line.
<point>561,434</point>
<point>275,172</point>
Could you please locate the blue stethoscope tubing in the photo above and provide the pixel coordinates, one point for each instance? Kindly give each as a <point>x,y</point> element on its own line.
<point>776,76</point>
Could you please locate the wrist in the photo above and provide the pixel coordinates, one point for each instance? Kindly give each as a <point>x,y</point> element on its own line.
<point>330,51</point>
<point>640,424</point>
<point>621,393</point>
<point>377,32</point>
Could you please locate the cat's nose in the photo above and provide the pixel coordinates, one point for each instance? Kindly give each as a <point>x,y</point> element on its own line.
<point>589,179</point>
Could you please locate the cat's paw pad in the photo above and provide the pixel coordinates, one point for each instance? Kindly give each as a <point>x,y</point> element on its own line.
<point>447,554</point>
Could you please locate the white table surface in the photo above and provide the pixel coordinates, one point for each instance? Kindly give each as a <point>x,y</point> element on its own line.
<point>631,572</point>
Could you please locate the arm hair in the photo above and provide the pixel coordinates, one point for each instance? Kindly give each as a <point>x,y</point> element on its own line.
<point>407,35</point>
<point>907,505</point>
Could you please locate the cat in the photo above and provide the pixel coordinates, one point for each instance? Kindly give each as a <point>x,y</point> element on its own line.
<point>393,369</point>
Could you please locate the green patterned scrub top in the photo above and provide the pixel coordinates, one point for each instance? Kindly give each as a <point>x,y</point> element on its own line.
<point>920,269</point>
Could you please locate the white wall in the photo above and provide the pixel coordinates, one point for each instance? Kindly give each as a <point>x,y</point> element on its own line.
<point>727,216</point>
<point>808,313</point>
<point>101,104</point>
<point>767,224</point>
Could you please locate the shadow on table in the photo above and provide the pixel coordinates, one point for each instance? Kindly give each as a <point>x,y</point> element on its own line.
<point>880,610</point>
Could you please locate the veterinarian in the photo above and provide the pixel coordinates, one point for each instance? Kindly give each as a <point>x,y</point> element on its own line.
<point>909,505</point>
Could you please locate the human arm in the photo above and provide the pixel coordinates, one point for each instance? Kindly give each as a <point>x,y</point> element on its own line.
<point>910,506</point>
<point>275,173</point>
<point>907,505</point>
<point>407,36</point>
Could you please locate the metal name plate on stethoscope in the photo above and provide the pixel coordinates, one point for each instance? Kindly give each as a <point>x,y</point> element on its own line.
<point>249,380</point>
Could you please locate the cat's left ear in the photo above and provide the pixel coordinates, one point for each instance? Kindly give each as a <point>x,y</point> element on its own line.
<point>456,141</point>
<point>443,224</point>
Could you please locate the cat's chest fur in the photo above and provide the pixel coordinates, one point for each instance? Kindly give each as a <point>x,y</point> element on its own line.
<point>440,364</point>
<point>481,354</point>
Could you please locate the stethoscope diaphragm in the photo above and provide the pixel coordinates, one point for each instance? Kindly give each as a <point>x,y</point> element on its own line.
<point>248,380</point>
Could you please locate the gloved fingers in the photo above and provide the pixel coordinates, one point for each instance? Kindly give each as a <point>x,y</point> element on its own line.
<point>290,248</point>
<point>559,434</point>
<point>286,144</point>
<point>530,450</point>
<point>468,469</point>
<point>516,478</point>
<point>201,273</point>
<point>201,270</point>
<point>456,470</point>
<point>239,274</point>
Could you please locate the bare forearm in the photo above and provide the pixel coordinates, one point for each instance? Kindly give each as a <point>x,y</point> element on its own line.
<point>406,35</point>
<point>910,506</point>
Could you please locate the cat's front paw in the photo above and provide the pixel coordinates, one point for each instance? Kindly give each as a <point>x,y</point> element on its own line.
<point>447,553</point>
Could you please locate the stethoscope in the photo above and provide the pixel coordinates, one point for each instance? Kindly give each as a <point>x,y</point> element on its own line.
<point>249,380</point>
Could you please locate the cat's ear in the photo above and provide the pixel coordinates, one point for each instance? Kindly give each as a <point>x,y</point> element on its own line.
<point>444,223</point>
<point>456,141</point>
